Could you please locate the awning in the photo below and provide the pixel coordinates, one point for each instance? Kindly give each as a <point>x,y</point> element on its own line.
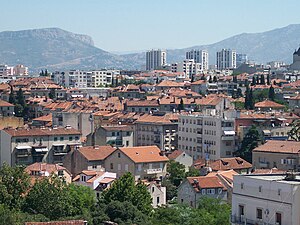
<point>266,132</point>
<point>23,147</point>
<point>281,119</point>
<point>41,149</point>
<point>229,132</point>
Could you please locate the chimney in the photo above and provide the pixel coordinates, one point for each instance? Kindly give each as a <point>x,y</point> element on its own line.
<point>96,146</point>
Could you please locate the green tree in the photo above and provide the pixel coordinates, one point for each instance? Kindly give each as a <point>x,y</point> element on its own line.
<point>171,188</point>
<point>271,93</point>
<point>181,105</point>
<point>215,79</point>
<point>250,141</point>
<point>262,79</point>
<point>52,93</point>
<point>192,79</point>
<point>125,213</point>
<point>253,83</point>
<point>249,101</point>
<point>210,80</point>
<point>219,210</point>
<point>52,197</point>
<point>193,172</point>
<point>14,183</point>
<point>294,133</point>
<point>234,78</point>
<point>203,77</point>
<point>42,73</point>
<point>176,172</point>
<point>12,98</point>
<point>125,189</point>
<point>268,79</point>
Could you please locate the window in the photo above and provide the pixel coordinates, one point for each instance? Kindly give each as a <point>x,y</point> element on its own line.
<point>83,178</point>
<point>279,192</point>
<point>61,138</point>
<point>119,155</point>
<point>211,191</point>
<point>76,138</point>
<point>119,166</point>
<point>220,190</point>
<point>126,167</point>
<point>241,210</point>
<point>127,133</point>
<point>111,166</point>
<point>70,138</point>
<point>139,167</point>
<point>203,191</point>
<point>113,134</point>
<point>260,188</point>
<point>152,189</point>
<point>157,200</point>
<point>278,218</point>
<point>55,138</point>
<point>94,166</point>
<point>242,185</point>
<point>258,213</point>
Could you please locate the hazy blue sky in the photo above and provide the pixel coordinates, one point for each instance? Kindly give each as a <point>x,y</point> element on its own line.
<point>125,25</point>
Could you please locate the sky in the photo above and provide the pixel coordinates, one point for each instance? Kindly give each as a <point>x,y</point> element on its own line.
<point>133,25</point>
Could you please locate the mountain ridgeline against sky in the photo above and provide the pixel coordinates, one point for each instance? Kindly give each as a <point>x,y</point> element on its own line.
<point>56,49</point>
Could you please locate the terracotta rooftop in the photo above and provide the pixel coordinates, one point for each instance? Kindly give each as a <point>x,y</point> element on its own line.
<point>206,182</point>
<point>92,153</point>
<point>268,104</point>
<point>45,118</point>
<point>291,147</point>
<point>167,83</point>
<point>199,82</point>
<point>235,163</point>
<point>268,171</point>
<point>21,132</point>
<point>144,154</point>
<point>175,154</point>
<point>118,128</point>
<point>51,168</point>
<point>5,104</point>
<point>167,118</point>
<point>142,103</point>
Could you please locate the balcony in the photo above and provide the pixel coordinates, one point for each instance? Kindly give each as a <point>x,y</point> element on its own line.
<point>153,171</point>
<point>245,221</point>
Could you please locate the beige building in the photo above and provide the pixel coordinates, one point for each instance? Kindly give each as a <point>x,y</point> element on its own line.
<point>157,192</point>
<point>6,109</point>
<point>26,146</point>
<point>87,158</point>
<point>182,157</point>
<point>266,199</point>
<point>209,135</point>
<point>114,135</point>
<point>193,188</point>
<point>283,155</point>
<point>144,162</point>
<point>158,129</point>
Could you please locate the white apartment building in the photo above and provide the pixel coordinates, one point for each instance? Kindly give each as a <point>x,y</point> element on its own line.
<point>18,70</point>
<point>272,199</point>
<point>155,59</point>
<point>189,67</point>
<point>101,78</point>
<point>210,135</point>
<point>199,56</point>
<point>26,146</point>
<point>84,79</point>
<point>226,59</point>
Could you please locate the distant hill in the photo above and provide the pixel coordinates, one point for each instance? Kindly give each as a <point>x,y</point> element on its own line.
<point>57,49</point>
<point>54,48</point>
<point>278,44</point>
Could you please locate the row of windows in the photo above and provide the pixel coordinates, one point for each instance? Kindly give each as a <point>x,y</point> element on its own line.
<point>190,121</point>
<point>260,189</point>
<point>118,133</point>
<point>71,138</point>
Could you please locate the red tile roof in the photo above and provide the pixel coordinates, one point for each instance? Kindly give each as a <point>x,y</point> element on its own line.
<point>51,168</point>
<point>268,104</point>
<point>144,154</point>
<point>175,154</point>
<point>5,104</point>
<point>21,132</point>
<point>292,147</point>
<point>235,163</point>
<point>92,153</point>
<point>206,182</point>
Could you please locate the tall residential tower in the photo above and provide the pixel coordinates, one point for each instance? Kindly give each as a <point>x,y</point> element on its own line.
<point>155,59</point>
<point>226,59</point>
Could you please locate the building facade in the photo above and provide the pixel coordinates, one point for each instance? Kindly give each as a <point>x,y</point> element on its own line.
<point>155,59</point>
<point>199,56</point>
<point>226,59</point>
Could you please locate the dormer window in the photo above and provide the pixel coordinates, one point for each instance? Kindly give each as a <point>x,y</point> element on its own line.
<point>83,178</point>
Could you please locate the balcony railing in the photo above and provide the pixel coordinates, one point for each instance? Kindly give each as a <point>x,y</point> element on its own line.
<point>153,171</point>
<point>245,221</point>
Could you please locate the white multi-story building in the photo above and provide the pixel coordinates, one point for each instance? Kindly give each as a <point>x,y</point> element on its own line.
<point>18,70</point>
<point>155,59</point>
<point>189,67</point>
<point>210,135</point>
<point>84,79</point>
<point>199,56</point>
<point>272,199</point>
<point>226,59</point>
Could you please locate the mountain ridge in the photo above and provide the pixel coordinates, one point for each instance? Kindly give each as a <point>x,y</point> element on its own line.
<point>57,49</point>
